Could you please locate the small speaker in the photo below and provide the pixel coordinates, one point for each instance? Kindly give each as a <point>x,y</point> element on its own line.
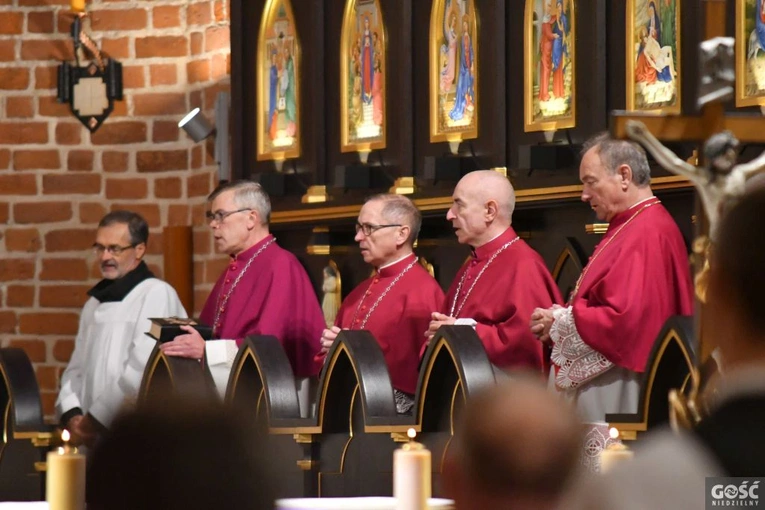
<point>547,156</point>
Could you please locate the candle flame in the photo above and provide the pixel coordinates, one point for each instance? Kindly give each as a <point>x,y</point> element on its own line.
<point>65,436</point>
<point>613,432</point>
<point>411,433</point>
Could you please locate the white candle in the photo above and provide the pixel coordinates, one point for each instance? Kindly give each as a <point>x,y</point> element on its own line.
<point>614,454</point>
<point>411,475</point>
<point>65,479</point>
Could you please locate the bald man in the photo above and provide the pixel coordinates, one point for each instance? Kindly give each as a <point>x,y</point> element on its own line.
<point>516,447</point>
<point>504,280</point>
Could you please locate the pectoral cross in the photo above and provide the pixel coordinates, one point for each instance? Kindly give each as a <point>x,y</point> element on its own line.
<point>697,128</point>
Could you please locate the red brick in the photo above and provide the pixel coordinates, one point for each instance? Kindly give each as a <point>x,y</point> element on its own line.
<point>113,161</point>
<point>42,3</point>
<point>198,217</point>
<point>92,212</point>
<point>197,41</point>
<point>200,295</point>
<point>5,159</point>
<point>118,48</point>
<point>62,350</point>
<point>196,157</point>
<point>198,185</point>
<point>65,269</point>
<point>68,133</point>
<point>35,349</point>
<point>150,212</point>
<point>7,322</point>
<point>48,404</point>
<point>36,160</point>
<point>64,19</point>
<point>42,212</point>
<point>19,107</point>
<point>80,160</point>
<point>48,324</point>
<point>164,131</point>
<point>46,49</point>
<point>132,77</point>
<point>178,214</point>
<point>202,242</point>
<point>120,133</point>
<point>199,274</point>
<point>160,161</point>
<point>163,74</point>
<point>4,213</point>
<point>16,269</point>
<point>160,104</point>
<point>213,269</point>
<point>22,239</point>
<point>217,38</point>
<point>63,296</point>
<point>47,377</point>
<point>198,70</point>
<point>21,295</point>
<point>155,246</point>
<point>195,100</point>
<point>168,187</point>
<point>122,19</point>
<point>166,16</point>
<point>11,23</point>
<point>220,11</point>
<point>7,50</point>
<point>126,188</point>
<point>219,67</point>
<point>18,184</point>
<point>40,22</point>
<point>14,78</point>
<point>15,133</point>
<point>161,46</point>
<point>48,106</point>
<point>75,184</point>
<point>211,93</point>
<point>71,239</point>
<point>46,77</point>
<point>198,13</point>
<point>119,109</point>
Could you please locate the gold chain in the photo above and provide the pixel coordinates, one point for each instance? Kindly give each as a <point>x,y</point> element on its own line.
<point>372,308</point>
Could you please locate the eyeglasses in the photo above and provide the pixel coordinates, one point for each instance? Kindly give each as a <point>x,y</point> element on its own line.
<point>219,216</point>
<point>113,249</point>
<point>369,228</point>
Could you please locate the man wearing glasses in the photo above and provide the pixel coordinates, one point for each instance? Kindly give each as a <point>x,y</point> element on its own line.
<point>111,348</point>
<point>263,291</point>
<point>395,303</point>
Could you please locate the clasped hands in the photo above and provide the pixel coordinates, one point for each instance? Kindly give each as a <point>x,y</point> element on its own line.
<point>541,322</point>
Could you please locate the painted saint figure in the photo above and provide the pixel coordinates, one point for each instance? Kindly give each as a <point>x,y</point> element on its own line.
<point>273,80</point>
<point>450,50</point>
<point>546,54</point>
<point>465,93</point>
<point>367,63</point>
<point>288,91</point>
<point>560,29</point>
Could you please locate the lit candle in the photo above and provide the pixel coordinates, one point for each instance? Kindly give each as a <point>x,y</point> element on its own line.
<point>615,453</point>
<point>411,475</point>
<point>65,480</point>
<point>78,5</point>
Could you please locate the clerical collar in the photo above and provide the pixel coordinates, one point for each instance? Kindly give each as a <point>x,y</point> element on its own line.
<point>394,268</point>
<point>246,254</point>
<point>486,250</point>
<point>110,291</point>
<point>624,216</point>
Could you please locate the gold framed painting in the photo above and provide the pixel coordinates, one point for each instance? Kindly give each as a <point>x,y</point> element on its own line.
<point>653,72</point>
<point>278,83</point>
<point>750,52</point>
<point>453,72</point>
<point>549,88</point>
<point>362,77</point>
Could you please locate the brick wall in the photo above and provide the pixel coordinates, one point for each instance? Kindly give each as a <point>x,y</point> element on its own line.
<point>57,180</point>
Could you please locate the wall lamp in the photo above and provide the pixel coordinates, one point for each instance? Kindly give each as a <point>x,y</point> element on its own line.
<point>196,125</point>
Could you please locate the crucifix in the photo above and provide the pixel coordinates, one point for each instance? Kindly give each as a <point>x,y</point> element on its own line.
<point>698,128</point>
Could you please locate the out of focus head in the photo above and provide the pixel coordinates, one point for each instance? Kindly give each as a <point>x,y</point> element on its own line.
<point>179,456</point>
<point>516,447</point>
<point>482,207</point>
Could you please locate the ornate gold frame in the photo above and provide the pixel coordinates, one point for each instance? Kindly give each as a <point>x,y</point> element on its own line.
<point>741,61</point>
<point>345,43</point>
<point>629,63</point>
<point>265,21</point>
<point>436,19</point>
<point>529,67</point>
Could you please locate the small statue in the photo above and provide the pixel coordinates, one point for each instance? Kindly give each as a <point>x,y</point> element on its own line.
<point>719,182</point>
<point>718,75</point>
<point>332,288</point>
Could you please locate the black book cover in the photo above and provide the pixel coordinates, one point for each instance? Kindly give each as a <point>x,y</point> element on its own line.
<point>167,328</point>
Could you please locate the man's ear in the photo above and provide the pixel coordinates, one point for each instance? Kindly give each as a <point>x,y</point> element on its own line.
<point>140,250</point>
<point>403,235</point>
<point>625,176</point>
<point>491,209</point>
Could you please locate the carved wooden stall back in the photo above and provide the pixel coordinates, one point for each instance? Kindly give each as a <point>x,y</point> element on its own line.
<point>169,375</point>
<point>671,360</point>
<point>262,383</point>
<point>568,266</point>
<point>454,366</point>
<point>25,436</point>
<point>356,413</point>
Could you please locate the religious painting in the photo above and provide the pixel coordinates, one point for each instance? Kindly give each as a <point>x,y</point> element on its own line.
<point>278,83</point>
<point>453,70</point>
<point>750,52</point>
<point>362,77</point>
<point>653,56</point>
<point>549,89</point>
